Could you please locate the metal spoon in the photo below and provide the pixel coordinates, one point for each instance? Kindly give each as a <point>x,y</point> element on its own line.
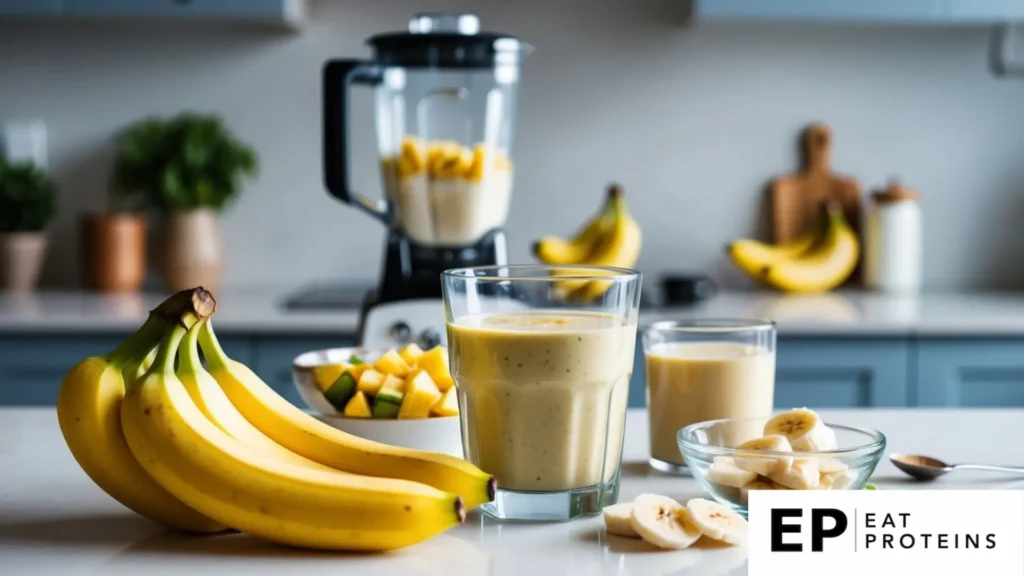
<point>927,468</point>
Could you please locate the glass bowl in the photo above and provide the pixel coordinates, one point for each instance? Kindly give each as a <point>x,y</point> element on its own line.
<point>729,474</point>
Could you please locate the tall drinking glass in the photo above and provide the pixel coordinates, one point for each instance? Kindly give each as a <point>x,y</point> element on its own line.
<point>542,358</point>
<point>702,370</point>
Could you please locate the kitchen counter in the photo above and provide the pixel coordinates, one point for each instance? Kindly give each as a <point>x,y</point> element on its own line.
<point>53,520</point>
<point>261,311</point>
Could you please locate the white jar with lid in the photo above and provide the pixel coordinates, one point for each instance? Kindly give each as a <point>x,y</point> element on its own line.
<point>892,247</point>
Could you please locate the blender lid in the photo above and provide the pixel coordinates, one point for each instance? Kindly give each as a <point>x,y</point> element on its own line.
<point>447,41</point>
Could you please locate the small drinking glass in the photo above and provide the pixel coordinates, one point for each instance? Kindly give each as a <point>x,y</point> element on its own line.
<point>699,370</point>
<point>542,358</point>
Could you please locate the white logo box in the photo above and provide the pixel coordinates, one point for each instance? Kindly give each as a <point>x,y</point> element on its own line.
<point>899,532</point>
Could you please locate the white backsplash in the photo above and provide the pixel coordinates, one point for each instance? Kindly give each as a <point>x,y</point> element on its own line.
<point>692,121</point>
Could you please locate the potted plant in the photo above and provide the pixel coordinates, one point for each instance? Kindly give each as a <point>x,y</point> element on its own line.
<point>114,247</point>
<point>28,202</point>
<point>188,167</point>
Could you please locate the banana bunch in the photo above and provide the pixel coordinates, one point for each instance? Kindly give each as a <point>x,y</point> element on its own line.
<point>611,238</point>
<point>816,261</point>
<point>207,449</point>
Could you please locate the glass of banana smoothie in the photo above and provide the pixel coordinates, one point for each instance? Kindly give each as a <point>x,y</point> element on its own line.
<point>701,370</point>
<point>543,381</point>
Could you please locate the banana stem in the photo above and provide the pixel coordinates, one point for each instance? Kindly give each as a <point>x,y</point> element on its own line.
<point>168,351</point>
<point>164,363</point>
<point>215,355</point>
<point>139,344</point>
<point>188,351</point>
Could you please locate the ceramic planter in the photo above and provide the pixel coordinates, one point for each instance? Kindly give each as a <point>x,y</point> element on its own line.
<point>114,251</point>
<point>191,250</point>
<point>21,260</point>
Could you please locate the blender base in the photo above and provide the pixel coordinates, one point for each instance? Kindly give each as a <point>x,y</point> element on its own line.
<point>413,271</point>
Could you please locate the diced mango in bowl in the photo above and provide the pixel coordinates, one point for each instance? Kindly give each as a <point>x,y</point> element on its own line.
<point>406,384</point>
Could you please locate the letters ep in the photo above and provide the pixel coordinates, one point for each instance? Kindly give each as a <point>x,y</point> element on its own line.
<point>818,531</point>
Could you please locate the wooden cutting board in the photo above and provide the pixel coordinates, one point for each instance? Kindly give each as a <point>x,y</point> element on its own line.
<point>797,198</point>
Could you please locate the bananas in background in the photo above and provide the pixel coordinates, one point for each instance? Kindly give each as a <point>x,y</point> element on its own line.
<point>817,261</point>
<point>204,451</point>
<point>611,238</point>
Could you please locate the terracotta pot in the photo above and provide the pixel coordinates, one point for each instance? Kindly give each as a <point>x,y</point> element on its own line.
<point>191,250</point>
<point>21,260</point>
<point>114,251</point>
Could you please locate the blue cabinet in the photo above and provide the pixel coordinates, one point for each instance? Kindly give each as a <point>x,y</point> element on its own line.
<point>32,368</point>
<point>31,7</point>
<point>873,11</point>
<point>258,9</point>
<point>970,373</point>
<point>841,373</point>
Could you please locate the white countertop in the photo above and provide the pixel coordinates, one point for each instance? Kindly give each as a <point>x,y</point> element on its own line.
<point>261,311</point>
<point>53,520</point>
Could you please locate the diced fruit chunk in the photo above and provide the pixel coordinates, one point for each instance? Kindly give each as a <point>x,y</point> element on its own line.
<point>355,360</point>
<point>358,406</point>
<point>357,371</point>
<point>420,396</point>
<point>411,354</point>
<point>448,405</point>
<point>389,399</point>
<point>435,362</point>
<point>393,383</point>
<point>370,382</point>
<point>341,391</point>
<point>325,374</point>
<point>444,383</point>
<point>392,363</point>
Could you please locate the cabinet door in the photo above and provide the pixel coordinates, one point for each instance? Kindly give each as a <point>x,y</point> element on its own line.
<point>179,8</point>
<point>33,367</point>
<point>881,11</point>
<point>31,7</point>
<point>841,373</point>
<point>970,373</point>
<point>273,360</point>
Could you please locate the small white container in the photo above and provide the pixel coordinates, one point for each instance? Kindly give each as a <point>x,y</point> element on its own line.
<point>893,244</point>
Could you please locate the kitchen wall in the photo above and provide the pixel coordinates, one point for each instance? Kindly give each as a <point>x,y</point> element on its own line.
<point>692,121</point>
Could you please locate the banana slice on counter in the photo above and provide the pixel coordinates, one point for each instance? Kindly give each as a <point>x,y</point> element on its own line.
<point>803,474</point>
<point>804,429</point>
<point>761,464</point>
<point>723,471</point>
<point>716,521</point>
<point>617,520</point>
<point>663,522</point>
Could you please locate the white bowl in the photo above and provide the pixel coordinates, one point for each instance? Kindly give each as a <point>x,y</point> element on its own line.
<point>436,434</point>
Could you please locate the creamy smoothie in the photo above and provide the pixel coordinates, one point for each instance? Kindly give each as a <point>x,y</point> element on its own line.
<point>690,382</point>
<point>543,395</point>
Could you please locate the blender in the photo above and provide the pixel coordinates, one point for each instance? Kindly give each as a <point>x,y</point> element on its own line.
<point>445,104</point>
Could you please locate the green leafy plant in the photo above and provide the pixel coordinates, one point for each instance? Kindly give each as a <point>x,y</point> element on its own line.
<point>185,162</point>
<point>28,197</point>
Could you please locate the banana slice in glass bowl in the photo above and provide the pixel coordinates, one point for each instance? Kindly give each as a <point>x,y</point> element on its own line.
<point>797,450</point>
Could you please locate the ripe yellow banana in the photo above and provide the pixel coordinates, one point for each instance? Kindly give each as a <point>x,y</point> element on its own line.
<point>216,406</point>
<point>752,256</point>
<point>88,410</point>
<point>824,267</point>
<point>556,250</point>
<point>301,433</point>
<point>619,248</point>
<point>245,488</point>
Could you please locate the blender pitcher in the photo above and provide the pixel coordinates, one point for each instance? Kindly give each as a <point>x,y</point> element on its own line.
<point>446,98</point>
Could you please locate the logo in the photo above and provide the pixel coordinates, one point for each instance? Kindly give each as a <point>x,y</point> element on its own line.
<point>860,532</point>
